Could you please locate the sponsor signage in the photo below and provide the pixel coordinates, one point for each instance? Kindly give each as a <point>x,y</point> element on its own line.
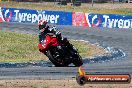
<point>79,19</point>
<point>101,20</point>
<point>33,16</point>
<point>83,78</point>
<point>110,20</point>
<point>66,18</point>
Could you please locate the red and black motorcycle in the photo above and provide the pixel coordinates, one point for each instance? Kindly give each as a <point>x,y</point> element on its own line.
<point>60,52</point>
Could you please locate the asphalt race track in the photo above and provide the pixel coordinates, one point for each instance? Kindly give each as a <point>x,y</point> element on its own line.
<point>117,38</point>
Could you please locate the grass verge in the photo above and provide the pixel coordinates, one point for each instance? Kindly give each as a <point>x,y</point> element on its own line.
<point>16,47</point>
<point>108,8</point>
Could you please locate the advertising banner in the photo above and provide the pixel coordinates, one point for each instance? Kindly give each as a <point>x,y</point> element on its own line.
<point>79,19</point>
<point>101,20</point>
<point>1,15</point>
<point>66,18</point>
<point>33,16</point>
<point>110,20</point>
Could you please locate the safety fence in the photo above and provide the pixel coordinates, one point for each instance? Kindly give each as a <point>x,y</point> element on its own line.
<point>65,18</point>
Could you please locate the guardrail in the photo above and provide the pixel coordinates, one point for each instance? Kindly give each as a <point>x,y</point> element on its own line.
<point>66,18</point>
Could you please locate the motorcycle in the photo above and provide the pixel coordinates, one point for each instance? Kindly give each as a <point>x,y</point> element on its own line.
<point>62,53</point>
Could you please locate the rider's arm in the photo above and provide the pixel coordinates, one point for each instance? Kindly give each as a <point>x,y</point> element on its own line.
<point>56,32</point>
<point>43,45</point>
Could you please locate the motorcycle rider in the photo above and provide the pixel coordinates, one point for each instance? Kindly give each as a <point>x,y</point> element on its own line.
<point>44,30</point>
<point>51,31</point>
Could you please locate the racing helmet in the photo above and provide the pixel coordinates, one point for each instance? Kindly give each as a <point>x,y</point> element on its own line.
<point>42,24</point>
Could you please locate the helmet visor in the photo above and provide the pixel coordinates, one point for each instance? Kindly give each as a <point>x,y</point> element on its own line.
<point>41,26</point>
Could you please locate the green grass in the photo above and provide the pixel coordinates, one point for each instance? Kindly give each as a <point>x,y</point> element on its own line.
<point>46,86</point>
<point>85,7</point>
<point>16,47</point>
<point>109,86</point>
<point>33,86</point>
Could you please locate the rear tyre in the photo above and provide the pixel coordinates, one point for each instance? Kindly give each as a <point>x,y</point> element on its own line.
<point>56,63</point>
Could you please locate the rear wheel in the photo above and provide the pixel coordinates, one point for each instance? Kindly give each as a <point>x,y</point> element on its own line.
<point>59,62</point>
